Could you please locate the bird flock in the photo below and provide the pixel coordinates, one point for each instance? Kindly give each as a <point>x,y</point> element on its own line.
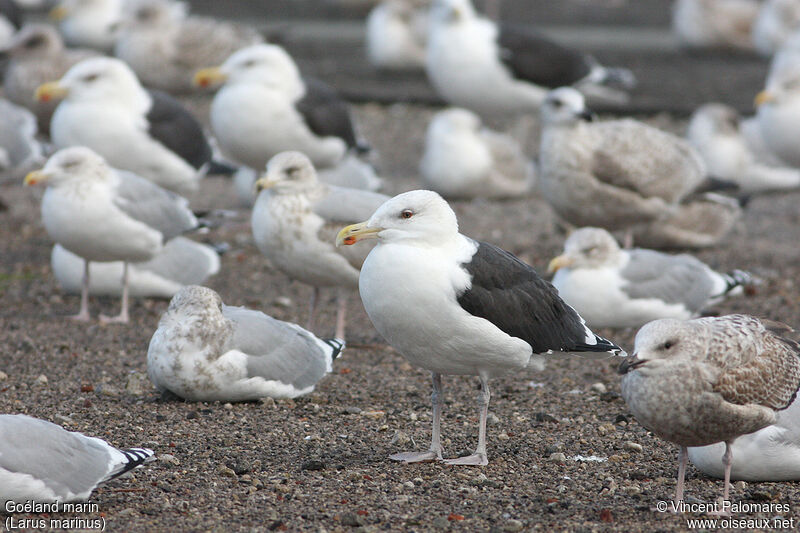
<point>94,109</point>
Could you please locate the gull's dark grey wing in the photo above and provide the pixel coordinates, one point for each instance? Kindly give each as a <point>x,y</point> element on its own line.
<point>176,128</point>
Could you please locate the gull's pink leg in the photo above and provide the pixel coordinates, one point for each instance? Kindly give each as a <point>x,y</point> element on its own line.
<point>83,314</point>
<point>122,317</point>
<point>683,458</point>
<point>341,313</point>
<point>312,313</point>
<point>435,451</point>
<point>479,457</point>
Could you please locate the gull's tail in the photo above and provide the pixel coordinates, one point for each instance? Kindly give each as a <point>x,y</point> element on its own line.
<point>337,346</point>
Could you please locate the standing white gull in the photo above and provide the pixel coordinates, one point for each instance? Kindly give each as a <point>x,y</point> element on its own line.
<point>102,214</point>
<point>710,380</point>
<point>165,45</point>
<point>265,107</point>
<point>453,305</point>
<point>44,462</point>
<point>504,70</point>
<point>396,35</point>
<point>180,262</point>
<point>291,226</point>
<point>146,132</point>
<point>615,288</point>
<point>778,113</point>
<point>714,23</point>
<point>89,23</point>
<point>463,159</point>
<point>205,351</point>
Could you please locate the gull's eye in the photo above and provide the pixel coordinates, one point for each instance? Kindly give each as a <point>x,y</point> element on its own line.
<point>556,103</point>
<point>292,171</point>
<point>34,42</point>
<point>589,250</point>
<point>406,213</point>
<point>89,78</point>
<point>667,345</point>
<point>249,63</point>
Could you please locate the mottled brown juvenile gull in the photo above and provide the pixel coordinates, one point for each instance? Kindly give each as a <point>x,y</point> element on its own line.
<point>453,305</point>
<point>710,380</point>
<point>206,351</point>
<point>291,224</point>
<point>615,288</point>
<point>464,159</point>
<point>43,462</point>
<point>714,23</point>
<point>103,214</point>
<point>625,175</point>
<point>165,45</point>
<point>89,23</point>
<point>19,149</point>
<point>396,34</point>
<point>37,55</point>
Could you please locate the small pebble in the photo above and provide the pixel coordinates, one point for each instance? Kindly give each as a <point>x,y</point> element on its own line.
<point>41,379</point>
<point>283,301</point>
<point>512,526</point>
<point>740,485</point>
<point>3,375</point>
<point>599,388</point>
<point>352,410</point>
<point>408,485</point>
<point>313,464</point>
<point>492,419</point>
<point>558,457</point>
<point>168,458</point>
<point>225,471</point>
<point>400,438</point>
<point>352,520</point>
<point>633,446</point>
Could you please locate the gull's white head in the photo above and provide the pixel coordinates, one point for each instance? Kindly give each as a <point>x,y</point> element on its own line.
<point>456,120</point>
<point>666,341</point>
<point>451,11</point>
<point>414,216</point>
<point>263,64</point>
<point>587,248</point>
<point>93,23</point>
<point>711,120</point>
<point>36,41</point>
<point>288,173</point>
<point>564,105</point>
<point>155,14</point>
<point>69,165</point>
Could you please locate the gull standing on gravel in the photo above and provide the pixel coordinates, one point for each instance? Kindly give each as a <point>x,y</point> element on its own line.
<point>505,70</point>
<point>103,214</point>
<point>37,55</point>
<point>44,462</point>
<point>626,175</point>
<point>20,152</point>
<point>453,305</point>
<point>291,226</point>
<point>714,23</point>
<point>146,132</point>
<point>165,46</point>
<point>181,262</point>
<point>463,159</point>
<point>206,351</point>
<point>714,131</point>
<point>396,34</point>
<point>89,23</point>
<point>615,288</point>
<point>710,380</point>
<point>778,113</point>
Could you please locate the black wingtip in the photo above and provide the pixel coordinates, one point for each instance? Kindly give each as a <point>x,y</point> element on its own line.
<point>136,457</point>
<point>337,345</point>
<point>219,168</point>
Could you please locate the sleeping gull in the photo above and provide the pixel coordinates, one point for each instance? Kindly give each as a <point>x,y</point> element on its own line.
<point>775,22</point>
<point>624,174</point>
<point>146,132</point>
<point>265,107</point>
<point>19,149</point>
<point>164,45</point>
<point>778,113</point>
<point>102,214</point>
<point>453,305</point>
<point>714,131</point>
<point>710,380</point>
<point>206,351</point>
<point>769,454</point>
<point>714,23</point>
<point>37,55</point>
<point>396,35</point>
<point>504,70</point>
<point>89,23</point>
<point>180,262</point>
<point>290,218</point>
<point>45,463</point>
<point>615,288</point>
<point>463,159</point>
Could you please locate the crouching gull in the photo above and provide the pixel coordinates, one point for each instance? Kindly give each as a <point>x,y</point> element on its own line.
<point>180,262</point>
<point>89,23</point>
<point>146,132</point>
<point>615,288</point>
<point>45,463</point>
<point>396,34</point>
<point>290,216</point>
<point>463,159</point>
<point>453,305</point>
<point>204,350</point>
<point>506,69</point>
<point>102,214</point>
<point>710,380</point>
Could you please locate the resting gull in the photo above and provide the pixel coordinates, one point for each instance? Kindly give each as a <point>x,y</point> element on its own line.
<point>19,149</point>
<point>37,55</point>
<point>165,46</point>
<point>714,131</point>
<point>89,23</point>
<point>626,175</point>
<point>205,351</point>
<point>102,214</point>
<point>463,159</point>
<point>714,23</point>
<point>710,380</point>
<point>181,262</point>
<point>146,132</point>
<point>776,21</point>
<point>43,462</point>
<point>778,113</point>
<point>289,226</point>
<point>453,305</point>
<point>506,69</point>
<point>265,107</point>
<point>769,454</point>
<point>615,288</point>
<point>396,35</point>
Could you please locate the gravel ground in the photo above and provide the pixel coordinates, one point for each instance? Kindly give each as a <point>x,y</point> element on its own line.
<point>320,462</point>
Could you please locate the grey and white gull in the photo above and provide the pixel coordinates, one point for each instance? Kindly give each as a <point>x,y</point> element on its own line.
<point>20,150</point>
